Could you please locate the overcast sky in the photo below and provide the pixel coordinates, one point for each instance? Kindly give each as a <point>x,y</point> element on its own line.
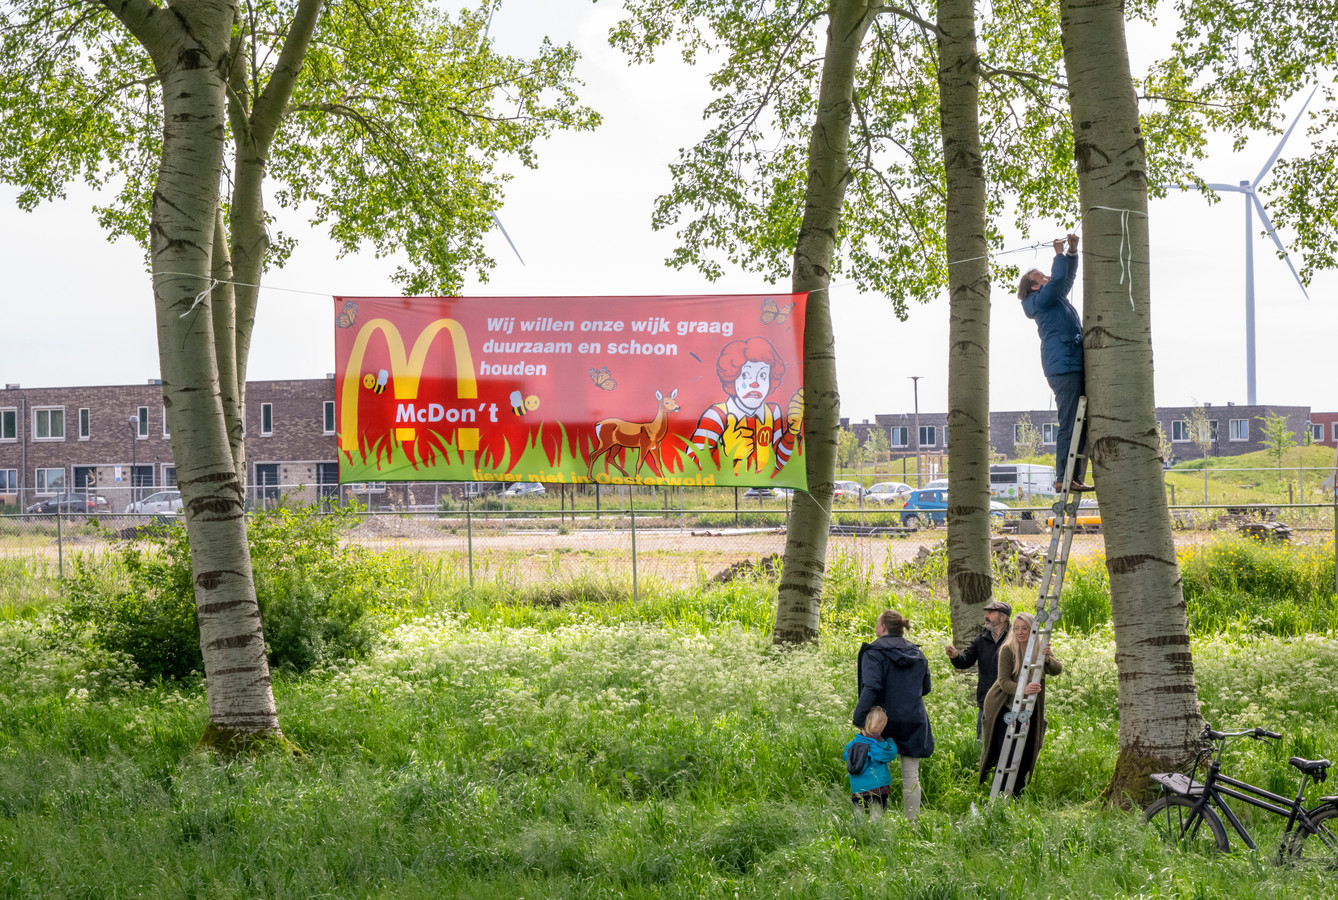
<point>79,310</point>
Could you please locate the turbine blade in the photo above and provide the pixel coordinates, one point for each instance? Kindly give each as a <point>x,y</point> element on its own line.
<point>1277,151</point>
<point>1228,187</point>
<point>502,229</point>
<point>1272,232</point>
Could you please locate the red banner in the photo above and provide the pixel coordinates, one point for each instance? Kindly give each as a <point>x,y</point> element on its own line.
<point>691,390</point>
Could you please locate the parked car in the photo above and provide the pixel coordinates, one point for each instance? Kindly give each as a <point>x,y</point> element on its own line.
<point>768,493</point>
<point>161,502</point>
<point>524,489</point>
<point>888,492</point>
<point>847,490</point>
<point>938,484</point>
<point>69,503</point>
<point>477,489</point>
<point>930,507</point>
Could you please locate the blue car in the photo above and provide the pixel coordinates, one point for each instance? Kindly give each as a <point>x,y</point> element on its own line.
<point>930,507</point>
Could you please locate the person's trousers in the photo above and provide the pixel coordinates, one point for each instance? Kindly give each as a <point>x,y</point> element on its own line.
<point>910,786</point>
<point>1068,387</point>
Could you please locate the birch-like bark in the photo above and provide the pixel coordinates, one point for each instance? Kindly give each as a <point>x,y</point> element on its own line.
<point>798,604</point>
<point>189,44</point>
<point>1158,700</point>
<point>970,581</point>
<point>255,121</point>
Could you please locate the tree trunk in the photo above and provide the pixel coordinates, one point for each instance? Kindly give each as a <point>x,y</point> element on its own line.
<point>1158,701</point>
<point>190,52</point>
<point>970,581</point>
<point>255,120</point>
<point>798,604</point>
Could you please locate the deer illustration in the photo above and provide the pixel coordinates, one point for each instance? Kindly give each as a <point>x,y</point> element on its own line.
<point>616,436</point>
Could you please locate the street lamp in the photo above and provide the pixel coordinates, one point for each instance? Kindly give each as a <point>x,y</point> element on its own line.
<point>915,382</point>
<point>134,438</point>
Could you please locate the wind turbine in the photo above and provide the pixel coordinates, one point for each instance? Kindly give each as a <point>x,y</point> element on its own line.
<point>1252,202</point>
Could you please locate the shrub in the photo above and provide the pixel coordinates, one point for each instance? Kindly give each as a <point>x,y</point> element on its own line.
<point>318,599</point>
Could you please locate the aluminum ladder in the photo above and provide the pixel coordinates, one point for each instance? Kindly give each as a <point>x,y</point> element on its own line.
<point>1018,719</point>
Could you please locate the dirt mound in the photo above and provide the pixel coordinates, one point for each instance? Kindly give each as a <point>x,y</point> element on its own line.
<point>767,566</point>
<point>380,528</point>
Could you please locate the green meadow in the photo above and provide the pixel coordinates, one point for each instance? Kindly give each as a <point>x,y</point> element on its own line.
<point>532,741</point>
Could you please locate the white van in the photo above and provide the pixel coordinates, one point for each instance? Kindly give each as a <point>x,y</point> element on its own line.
<point>1018,481</point>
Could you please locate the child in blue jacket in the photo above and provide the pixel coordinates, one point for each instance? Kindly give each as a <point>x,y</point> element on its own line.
<point>870,786</point>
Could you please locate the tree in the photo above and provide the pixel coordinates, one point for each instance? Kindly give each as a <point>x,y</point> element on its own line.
<point>1277,437</point>
<point>847,449</point>
<point>1200,430</point>
<point>1244,61</point>
<point>745,198</point>
<point>120,87</point>
<point>1164,449</point>
<point>1026,439</point>
<point>1158,701</point>
<point>877,443</point>
<point>970,561</point>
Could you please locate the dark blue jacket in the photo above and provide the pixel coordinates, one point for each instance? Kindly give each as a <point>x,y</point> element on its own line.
<point>1057,321</point>
<point>984,651</point>
<point>894,674</point>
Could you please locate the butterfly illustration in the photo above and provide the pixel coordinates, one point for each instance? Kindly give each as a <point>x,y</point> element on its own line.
<point>772,312</point>
<point>348,315</point>
<point>603,379</point>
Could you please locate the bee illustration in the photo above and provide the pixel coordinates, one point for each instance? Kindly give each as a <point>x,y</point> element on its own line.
<point>521,405</point>
<point>772,312</point>
<point>602,379</point>
<point>348,315</point>
<point>376,383</point>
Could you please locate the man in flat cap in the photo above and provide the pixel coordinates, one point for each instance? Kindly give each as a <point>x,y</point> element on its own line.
<point>983,652</point>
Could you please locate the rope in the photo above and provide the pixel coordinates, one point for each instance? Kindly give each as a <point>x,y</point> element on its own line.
<point>1126,246</point>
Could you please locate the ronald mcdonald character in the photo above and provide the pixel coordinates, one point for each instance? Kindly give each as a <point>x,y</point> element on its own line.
<point>745,427</point>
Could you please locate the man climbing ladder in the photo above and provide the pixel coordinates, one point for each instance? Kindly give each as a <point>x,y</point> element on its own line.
<point>1045,299</point>
<point>1015,756</point>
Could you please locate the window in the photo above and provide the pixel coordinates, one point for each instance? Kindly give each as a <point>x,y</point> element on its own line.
<point>901,436</point>
<point>1049,432</point>
<point>166,433</point>
<point>267,418</point>
<point>49,424</point>
<point>1212,428</point>
<point>329,417</point>
<point>9,424</point>
<point>927,436</point>
<point>1017,433</point>
<point>1239,430</point>
<point>143,422</point>
<point>50,480</point>
<point>9,481</point>
<point>1317,432</point>
<point>85,424</point>
<point>945,435</point>
<point>170,476</point>
<point>1179,430</point>
<point>1333,430</point>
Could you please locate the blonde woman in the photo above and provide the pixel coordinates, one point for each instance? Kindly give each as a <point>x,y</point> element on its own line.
<point>999,700</point>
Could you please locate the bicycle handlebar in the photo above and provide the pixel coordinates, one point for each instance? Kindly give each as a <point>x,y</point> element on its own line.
<point>1257,733</point>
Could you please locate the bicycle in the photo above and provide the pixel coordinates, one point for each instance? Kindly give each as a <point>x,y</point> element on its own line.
<point>1186,814</point>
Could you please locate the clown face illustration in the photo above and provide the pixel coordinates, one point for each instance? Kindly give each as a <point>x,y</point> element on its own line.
<point>752,385</point>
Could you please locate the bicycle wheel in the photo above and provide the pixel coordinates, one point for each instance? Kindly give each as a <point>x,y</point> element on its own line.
<point>1319,847</point>
<point>1169,815</point>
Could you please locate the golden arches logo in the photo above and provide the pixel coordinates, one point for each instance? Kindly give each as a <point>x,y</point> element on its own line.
<point>407,372</point>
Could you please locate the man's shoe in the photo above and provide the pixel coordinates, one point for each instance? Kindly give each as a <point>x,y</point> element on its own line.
<point>1077,487</point>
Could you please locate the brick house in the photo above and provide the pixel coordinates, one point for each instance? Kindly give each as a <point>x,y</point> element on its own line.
<point>1236,430</point>
<point>113,440</point>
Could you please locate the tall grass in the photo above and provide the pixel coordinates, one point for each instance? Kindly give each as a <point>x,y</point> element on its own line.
<point>562,741</point>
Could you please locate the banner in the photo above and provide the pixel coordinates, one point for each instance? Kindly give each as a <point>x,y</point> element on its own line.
<point>692,390</point>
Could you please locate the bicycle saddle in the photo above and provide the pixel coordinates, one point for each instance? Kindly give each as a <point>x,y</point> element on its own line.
<point>1315,768</point>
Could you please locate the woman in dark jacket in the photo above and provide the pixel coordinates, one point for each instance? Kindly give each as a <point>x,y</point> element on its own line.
<point>894,674</point>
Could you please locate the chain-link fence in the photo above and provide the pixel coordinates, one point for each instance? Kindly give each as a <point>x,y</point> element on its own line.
<point>676,535</point>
